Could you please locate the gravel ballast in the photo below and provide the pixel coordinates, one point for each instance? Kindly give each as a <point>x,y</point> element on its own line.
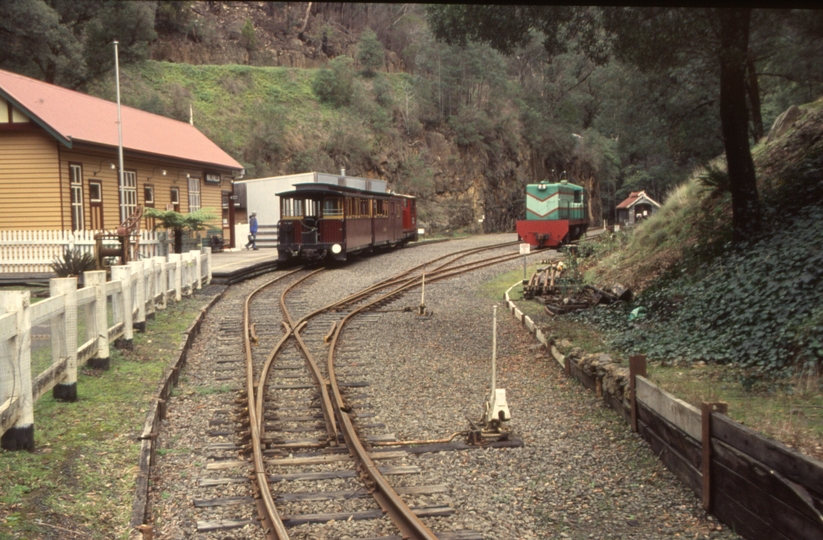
<point>580,474</point>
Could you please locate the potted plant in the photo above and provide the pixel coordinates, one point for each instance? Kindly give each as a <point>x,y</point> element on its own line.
<point>74,262</point>
<point>179,223</point>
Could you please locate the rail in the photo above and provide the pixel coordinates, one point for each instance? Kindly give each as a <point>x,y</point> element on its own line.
<point>334,410</point>
<point>82,325</point>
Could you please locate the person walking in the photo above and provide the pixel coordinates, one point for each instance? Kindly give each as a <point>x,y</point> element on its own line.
<point>252,232</point>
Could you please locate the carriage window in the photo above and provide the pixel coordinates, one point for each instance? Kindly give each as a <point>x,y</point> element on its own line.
<point>312,208</point>
<point>577,196</point>
<point>332,207</point>
<point>364,207</point>
<point>382,208</point>
<point>291,207</point>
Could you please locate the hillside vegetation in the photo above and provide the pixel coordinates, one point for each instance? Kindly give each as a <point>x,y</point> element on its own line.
<point>758,306</point>
<point>279,120</point>
<point>412,94</point>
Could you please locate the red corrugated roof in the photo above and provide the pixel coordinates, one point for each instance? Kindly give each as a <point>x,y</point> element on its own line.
<point>635,196</point>
<point>72,116</point>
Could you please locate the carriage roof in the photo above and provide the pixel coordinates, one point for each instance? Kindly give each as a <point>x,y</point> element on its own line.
<point>316,188</point>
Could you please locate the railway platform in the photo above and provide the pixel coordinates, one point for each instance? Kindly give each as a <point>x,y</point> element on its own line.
<point>232,266</point>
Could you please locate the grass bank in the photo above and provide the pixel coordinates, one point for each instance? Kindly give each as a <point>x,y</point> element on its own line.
<point>80,481</point>
<point>787,410</point>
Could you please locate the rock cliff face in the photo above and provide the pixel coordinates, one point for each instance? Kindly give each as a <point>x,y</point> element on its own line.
<point>458,189</point>
<point>284,34</point>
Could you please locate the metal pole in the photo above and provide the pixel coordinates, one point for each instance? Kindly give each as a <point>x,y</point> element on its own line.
<point>423,291</point>
<point>524,269</point>
<point>494,356</point>
<point>123,215</point>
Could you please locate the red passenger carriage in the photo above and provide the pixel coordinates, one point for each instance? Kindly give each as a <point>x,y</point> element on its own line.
<point>319,221</point>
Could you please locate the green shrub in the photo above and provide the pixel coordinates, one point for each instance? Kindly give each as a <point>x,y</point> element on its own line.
<point>470,126</point>
<point>370,53</point>
<point>312,159</point>
<point>248,39</point>
<point>335,85</point>
<point>382,91</point>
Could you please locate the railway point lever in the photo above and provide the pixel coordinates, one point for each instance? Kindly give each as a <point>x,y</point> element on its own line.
<point>421,309</point>
<point>496,408</point>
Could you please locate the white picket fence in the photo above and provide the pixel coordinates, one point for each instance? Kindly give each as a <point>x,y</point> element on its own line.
<point>34,251</point>
<point>144,286</point>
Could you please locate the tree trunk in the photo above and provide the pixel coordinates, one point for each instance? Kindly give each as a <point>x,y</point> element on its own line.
<point>734,118</point>
<point>178,240</point>
<point>753,88</point>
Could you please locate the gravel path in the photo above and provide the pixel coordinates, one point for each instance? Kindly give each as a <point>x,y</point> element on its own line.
<point>581,474</point>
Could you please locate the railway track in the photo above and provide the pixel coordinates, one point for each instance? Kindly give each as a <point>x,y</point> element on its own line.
<point>305,419</point>
<point>403,377</point>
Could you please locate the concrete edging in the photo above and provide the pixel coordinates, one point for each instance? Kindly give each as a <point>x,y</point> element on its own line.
<point>532,327</point>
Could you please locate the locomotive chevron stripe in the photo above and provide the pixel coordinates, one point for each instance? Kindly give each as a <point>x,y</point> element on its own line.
<point>530,212</point>
<point>555,194</point>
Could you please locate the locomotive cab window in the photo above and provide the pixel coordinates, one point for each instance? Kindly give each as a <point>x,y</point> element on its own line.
<point>578,196</point>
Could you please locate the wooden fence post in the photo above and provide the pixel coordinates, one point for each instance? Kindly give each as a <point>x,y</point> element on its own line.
<point>188,273</point>
<point>162,282</point>
<point>177,260</point>
<point>208,265</point>
<point>126,304</point>
<point>15,372</point>
<point>64,337</point>
<point>706,466</point>
<point>197,267</point>
<point>88,313</point>
<point>151,282</point>
<point>97,279</point>
<point>138,278</point>
<point>637,366</point>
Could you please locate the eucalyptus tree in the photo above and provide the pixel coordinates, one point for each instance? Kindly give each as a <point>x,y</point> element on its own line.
<point>785,61</point>
<point>68,42</point>
<point>656,39</point>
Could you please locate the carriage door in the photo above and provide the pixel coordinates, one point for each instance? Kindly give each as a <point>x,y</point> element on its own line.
<point>393,232</point>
